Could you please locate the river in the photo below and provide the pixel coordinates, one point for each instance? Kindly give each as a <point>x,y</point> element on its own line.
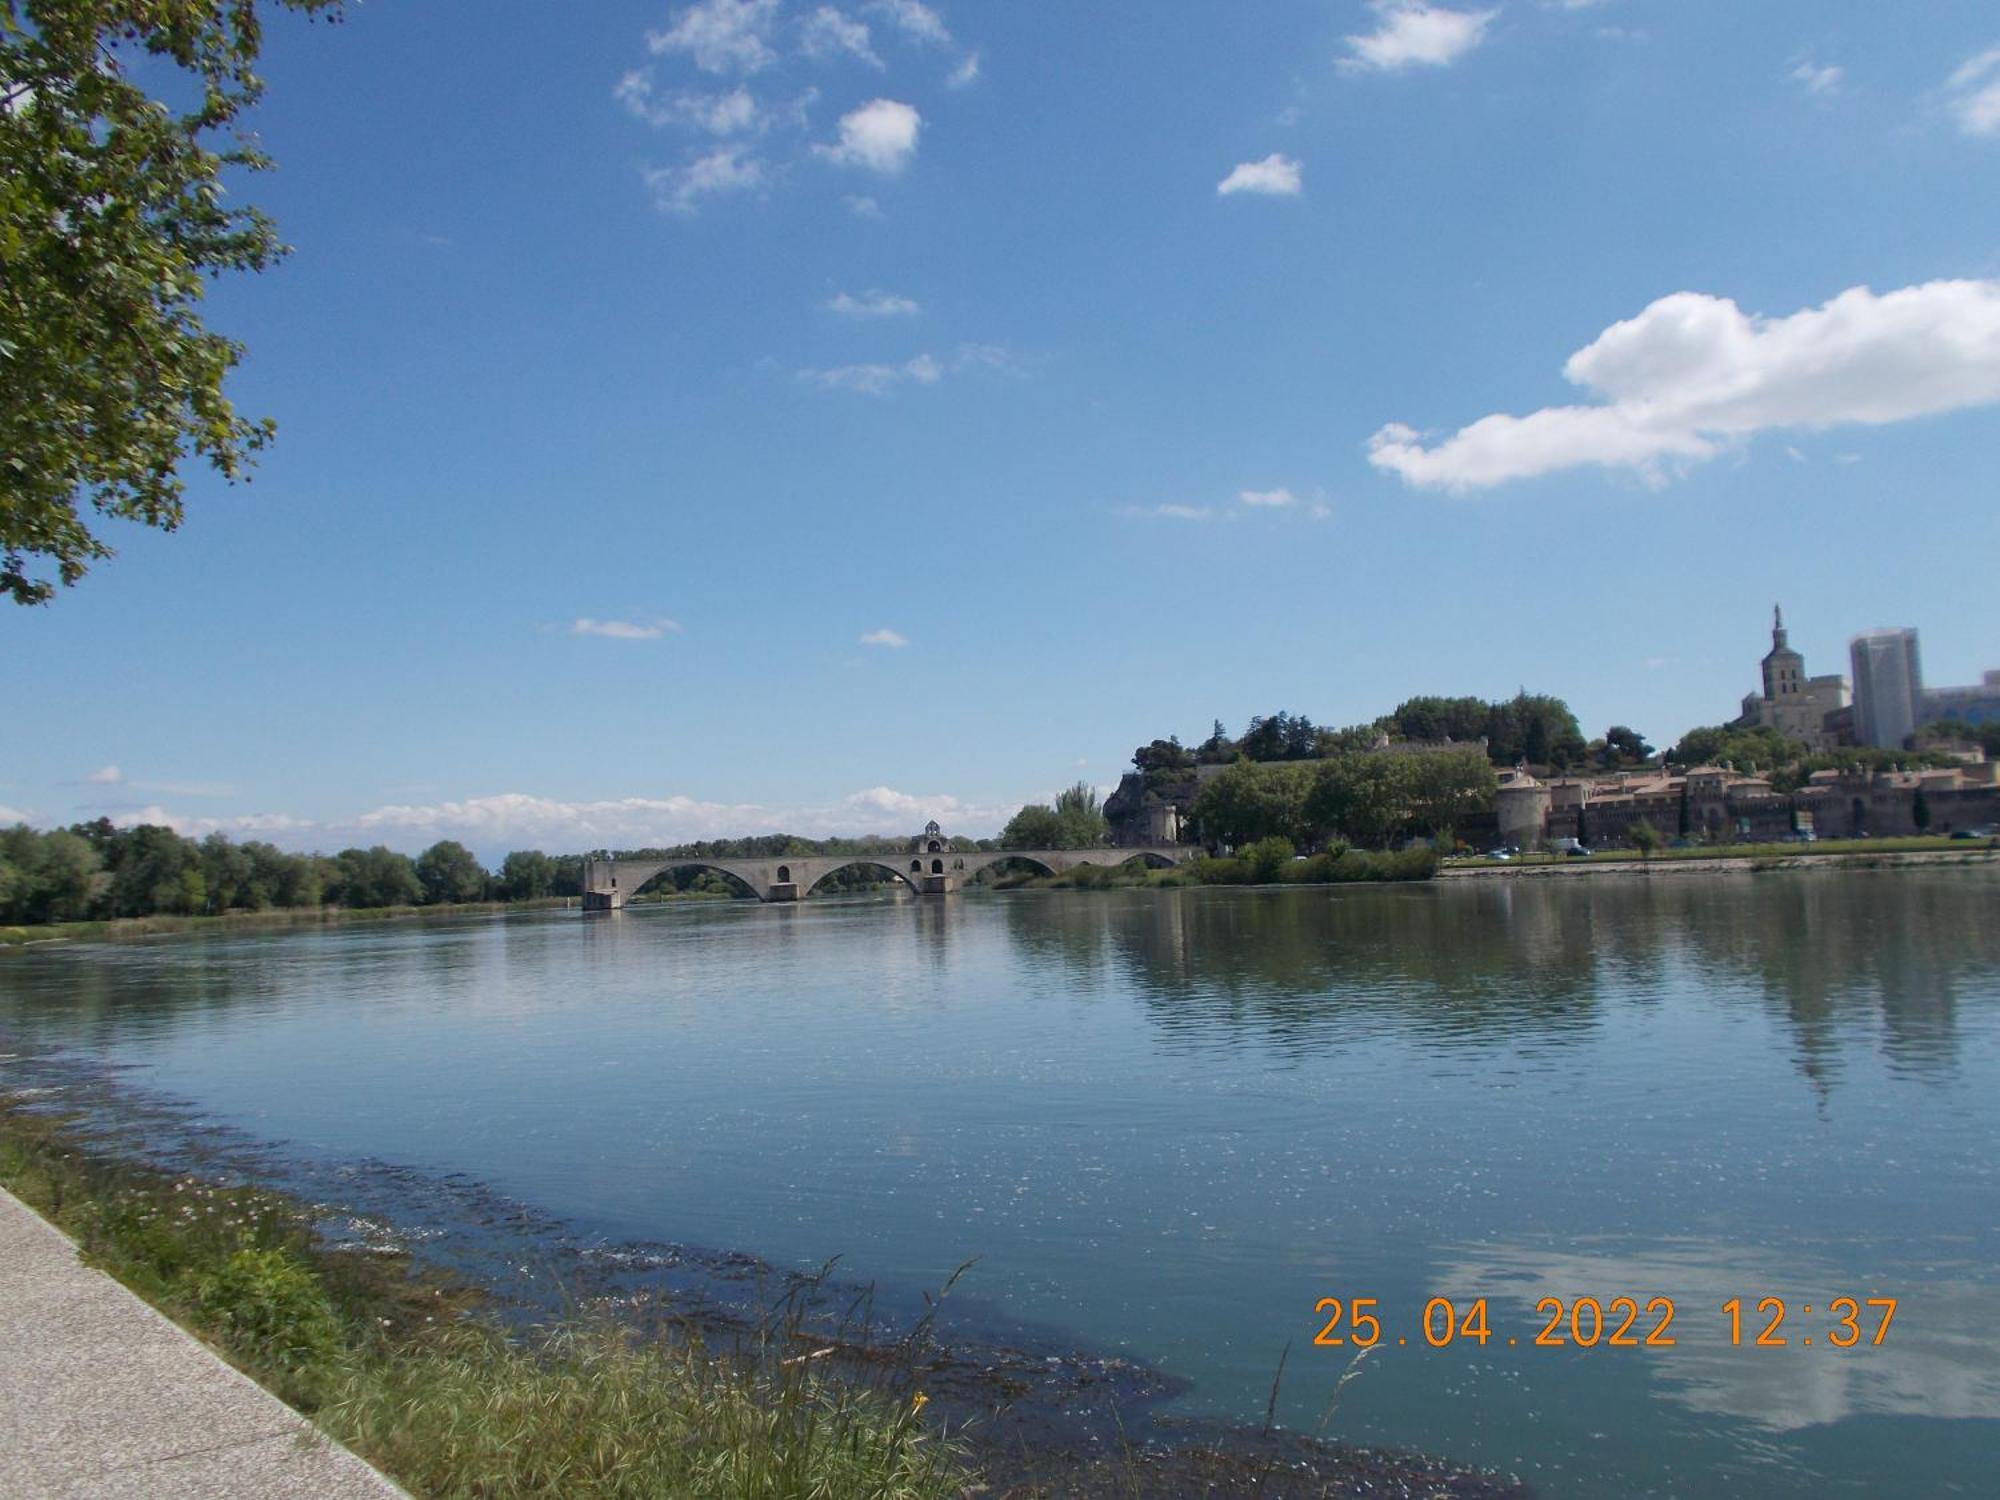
<point>1167,1123</point>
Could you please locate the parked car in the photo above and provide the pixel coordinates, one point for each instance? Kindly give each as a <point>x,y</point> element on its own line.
<point>1965,833</point>
<point>1499,854</point>
<point>1577,851</point>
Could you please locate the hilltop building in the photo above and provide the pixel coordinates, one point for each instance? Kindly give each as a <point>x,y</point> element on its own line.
<point>1811,710</point>
<point>1888,687</point>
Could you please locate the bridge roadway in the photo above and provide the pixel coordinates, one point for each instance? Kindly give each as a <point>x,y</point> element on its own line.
<point>930,867</point>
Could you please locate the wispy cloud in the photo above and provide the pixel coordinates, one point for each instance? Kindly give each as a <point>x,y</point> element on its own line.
<point>105,776</point>
<point>1171,512</point>
<point>731,113</point>
<point>1410,33</point>
<point>1693,373</point>
<point>876,379</point>
<point>1276,175</point>
<point>880,136</point>
<point>885,637</point>
<point>1817,79</point>
<point>626,630</point>
<point>12,815</point>
<point>721,36</point>
<point>921,369</point>
<point>1268,498</point>
<point>1973,94</point>
<point>873,305</point>
<point>828,33</point>
<point>726,169</point>
<point>965,74</point>
<point>913,19</point>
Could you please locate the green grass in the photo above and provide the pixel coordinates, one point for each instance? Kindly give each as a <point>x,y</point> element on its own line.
<point>407,1374</point>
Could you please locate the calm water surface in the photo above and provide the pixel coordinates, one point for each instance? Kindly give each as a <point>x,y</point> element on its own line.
<point>1169,1122</point>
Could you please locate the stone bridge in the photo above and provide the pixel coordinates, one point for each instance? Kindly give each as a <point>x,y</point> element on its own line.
<point>930,867</point>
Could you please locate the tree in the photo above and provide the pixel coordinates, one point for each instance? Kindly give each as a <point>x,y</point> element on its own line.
<point>377,876</point>
<point>1364,798</point>
<point>1081,818</point>
<point>1249,801</point>
<point>527,875</point>
<point>1167,756</point>
<point>1444,787</point>
<point>1645,838</point>
<point>1036,826</point>
<point>112,212</point>
<point>1624,747</point>
<point>449,872</point>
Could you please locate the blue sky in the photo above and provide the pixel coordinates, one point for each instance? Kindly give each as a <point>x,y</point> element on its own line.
<point>706,419</point>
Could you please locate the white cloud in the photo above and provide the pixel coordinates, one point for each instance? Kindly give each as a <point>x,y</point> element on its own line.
<point>885,637</point>
<point>726,169</point>
<point>517,820</point>
<point>875,379</point>
<point>722,36</point>
<point>250,825</point>
<point>1268,498</point>
<point>1693,372</point>
<point>1172,512</point>
<point>913,19</point>
<point>1975,94</point>
<point>862,206</point>
<point>105,776</point>
<point>881,135</point>
<point>12,815</point>
<point>733,113</point>
<point>626,630</point>
<point>830,33</point>
<point>1276,173</point>
<point>965,74</point>
<point>1819,80</point>
<point>873,305</point>
<point>1412,33</point>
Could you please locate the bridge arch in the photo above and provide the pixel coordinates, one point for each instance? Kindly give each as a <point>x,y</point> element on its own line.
<point>1000,857</point>
<point>880,862</point>
<point>738,886</point>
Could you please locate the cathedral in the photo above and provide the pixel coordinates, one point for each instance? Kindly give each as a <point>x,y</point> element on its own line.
<point>1811,710</point>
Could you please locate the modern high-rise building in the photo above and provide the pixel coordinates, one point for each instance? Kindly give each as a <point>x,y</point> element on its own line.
<point>1888,687</point>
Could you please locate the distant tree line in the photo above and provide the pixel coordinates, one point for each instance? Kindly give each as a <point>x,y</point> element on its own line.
<point>97,870</point>
<point>1529,727</point>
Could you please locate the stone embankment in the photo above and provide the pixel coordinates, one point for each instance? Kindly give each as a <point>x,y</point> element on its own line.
<point>1721,864</point>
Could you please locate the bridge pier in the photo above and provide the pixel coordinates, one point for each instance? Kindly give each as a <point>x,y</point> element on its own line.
<point>603,900</point>
<point>783,890</point>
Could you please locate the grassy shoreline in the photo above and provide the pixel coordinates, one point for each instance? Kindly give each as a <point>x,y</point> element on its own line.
<point>1859,853</point>
<point>403,1370</point>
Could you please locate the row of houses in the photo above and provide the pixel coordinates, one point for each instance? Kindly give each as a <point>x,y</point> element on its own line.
<point>1717,802</point>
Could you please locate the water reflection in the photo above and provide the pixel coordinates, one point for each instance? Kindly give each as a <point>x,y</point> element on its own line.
<point>1310,970</point>
<point>1936,1360</point>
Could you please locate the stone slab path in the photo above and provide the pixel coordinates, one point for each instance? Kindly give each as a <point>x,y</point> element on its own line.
<point>101,1396</point>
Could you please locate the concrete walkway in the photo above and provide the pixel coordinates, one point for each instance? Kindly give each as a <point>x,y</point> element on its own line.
<point>101,1396</point>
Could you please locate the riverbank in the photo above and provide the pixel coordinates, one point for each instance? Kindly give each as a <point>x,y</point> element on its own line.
<point>1734,861</point>
<point>447,1389</point>
<point>1267,862</point>
<point>113,929</point>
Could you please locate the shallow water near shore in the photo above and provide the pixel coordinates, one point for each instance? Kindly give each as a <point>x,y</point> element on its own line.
<point>1168,1122</point>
